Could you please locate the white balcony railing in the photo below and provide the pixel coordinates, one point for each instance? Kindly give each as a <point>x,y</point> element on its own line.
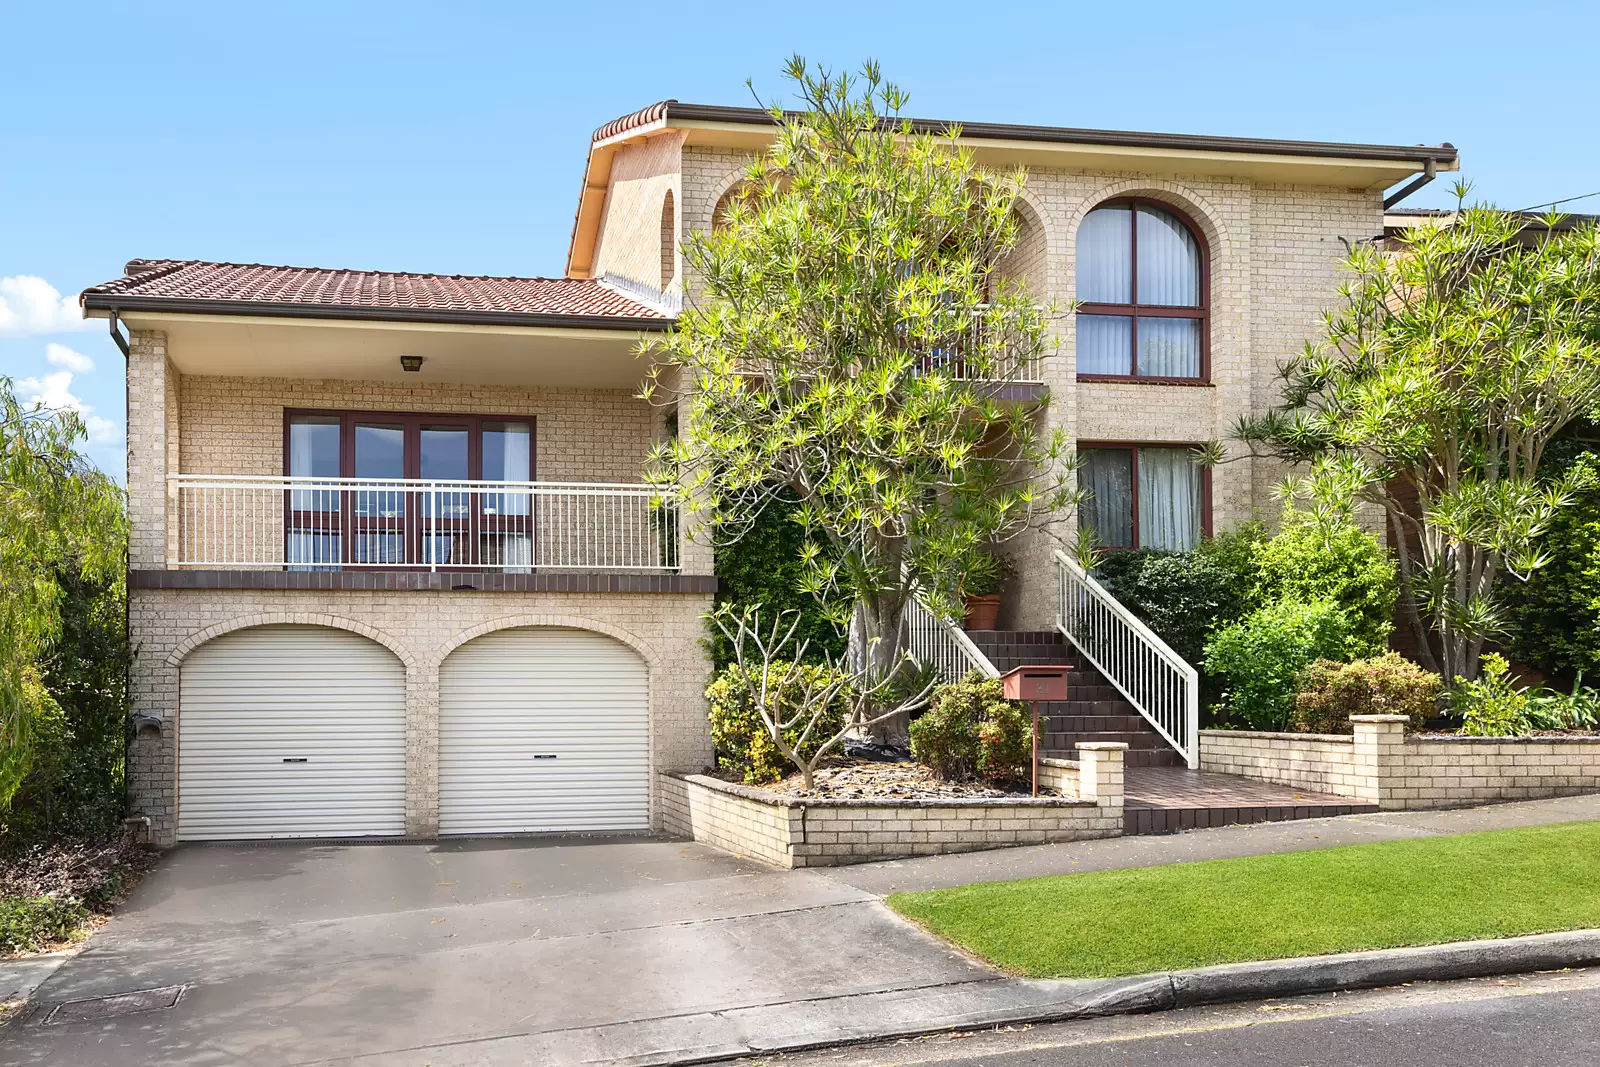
<point>318,524</point>
<point>954,355</point>
<point>941,644</point>
<point>1156,680</point>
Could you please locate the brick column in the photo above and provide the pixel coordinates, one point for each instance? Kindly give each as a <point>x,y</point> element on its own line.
<point>1379,756</point>
<point>1100,772</point>
<point>422,750</point>
<point>152,446</point>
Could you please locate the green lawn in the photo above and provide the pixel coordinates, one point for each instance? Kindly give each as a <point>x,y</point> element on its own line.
<point>1386,895</point>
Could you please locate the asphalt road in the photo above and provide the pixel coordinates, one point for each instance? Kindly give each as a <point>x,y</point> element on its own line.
<point>1520,1021</point>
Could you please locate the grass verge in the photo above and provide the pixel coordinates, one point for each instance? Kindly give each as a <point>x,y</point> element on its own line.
<point>1389,895</point>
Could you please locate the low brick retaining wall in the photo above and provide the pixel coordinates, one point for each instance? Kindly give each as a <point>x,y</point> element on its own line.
<point>1380,765</point>
<point>789,831</point>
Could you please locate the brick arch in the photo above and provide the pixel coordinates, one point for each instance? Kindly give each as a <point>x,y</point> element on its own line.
<point>571,622</point>
<point>1195,207</point>
<point>1034,217</point>
<point>189,644</point>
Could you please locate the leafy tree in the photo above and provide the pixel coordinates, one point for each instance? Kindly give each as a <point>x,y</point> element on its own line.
<point>1555,615</point>
<point>1342,563</point>
<point>848,345</point>
<point>57,514</point>
<point>1452,363</point>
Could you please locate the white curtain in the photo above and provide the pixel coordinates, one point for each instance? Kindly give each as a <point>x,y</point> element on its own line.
<point>1105,344</point>
<point>1107,479</point>
<point>1105,256</point>
<point>1169,499</point>
<point>1169,261</point>
<point>1169,348</point>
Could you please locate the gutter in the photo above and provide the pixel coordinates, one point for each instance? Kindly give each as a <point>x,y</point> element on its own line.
<point>1442,153</point>
<point>117,303</point>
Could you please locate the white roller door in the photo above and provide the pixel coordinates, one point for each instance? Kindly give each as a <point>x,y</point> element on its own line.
<point>291,731</point>
<point>543,729</point>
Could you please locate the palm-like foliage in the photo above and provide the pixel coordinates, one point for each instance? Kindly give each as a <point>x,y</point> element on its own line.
<point>1455,358</point>
<point>850,343</point>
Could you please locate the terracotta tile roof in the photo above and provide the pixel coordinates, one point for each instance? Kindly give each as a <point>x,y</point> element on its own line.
<point>254,288</point>
<point>643,117</point>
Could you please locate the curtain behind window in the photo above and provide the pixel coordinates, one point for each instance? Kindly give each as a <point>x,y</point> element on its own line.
<point>1169,260</point>
<point>1105,256</point>
<point>1107,479</point>
<point>1169,499</point>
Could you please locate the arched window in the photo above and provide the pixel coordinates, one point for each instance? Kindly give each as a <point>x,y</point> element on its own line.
<point>1142,293</point>
<point>669,242</point>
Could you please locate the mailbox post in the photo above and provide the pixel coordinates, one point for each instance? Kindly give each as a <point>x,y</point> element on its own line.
<point>1046,681</point>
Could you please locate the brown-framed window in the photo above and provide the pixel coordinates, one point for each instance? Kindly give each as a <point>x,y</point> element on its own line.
<point>1144,496</point>
<point>372,521</point>
<point>1143,289</point>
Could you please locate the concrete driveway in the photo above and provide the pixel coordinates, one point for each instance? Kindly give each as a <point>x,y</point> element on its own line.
<point>560,951</point>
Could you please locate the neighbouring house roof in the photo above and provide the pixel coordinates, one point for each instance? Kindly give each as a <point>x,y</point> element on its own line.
<point>1317,162</point>
<point>200,287</point>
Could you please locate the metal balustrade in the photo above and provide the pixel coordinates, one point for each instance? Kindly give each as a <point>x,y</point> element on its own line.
<point>942,644</point>
<point>1155,679</point>
<point>315,524</point>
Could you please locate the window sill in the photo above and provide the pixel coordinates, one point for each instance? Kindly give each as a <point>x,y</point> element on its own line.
<point>1132,379</point>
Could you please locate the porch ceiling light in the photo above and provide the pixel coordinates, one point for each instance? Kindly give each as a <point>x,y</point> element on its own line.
<point>411,364</point>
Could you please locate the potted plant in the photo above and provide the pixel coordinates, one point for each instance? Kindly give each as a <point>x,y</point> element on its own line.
<point>981,587</point>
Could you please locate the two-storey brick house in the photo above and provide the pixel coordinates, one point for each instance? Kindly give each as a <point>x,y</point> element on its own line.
<point>393,570</point>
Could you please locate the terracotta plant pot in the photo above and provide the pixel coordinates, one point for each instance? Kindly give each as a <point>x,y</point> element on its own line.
<point>983,612</point>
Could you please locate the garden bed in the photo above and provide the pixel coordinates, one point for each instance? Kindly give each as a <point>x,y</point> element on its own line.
<point>55,895</point>
<point>872,780</point>
<point>815,830</point>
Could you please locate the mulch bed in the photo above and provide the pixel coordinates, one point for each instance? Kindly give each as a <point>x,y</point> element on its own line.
<point>99,873</point>
<point>868,780</point>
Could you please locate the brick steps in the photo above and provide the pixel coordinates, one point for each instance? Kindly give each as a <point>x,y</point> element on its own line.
<point>1150,820</point>
<point>1095,711</point>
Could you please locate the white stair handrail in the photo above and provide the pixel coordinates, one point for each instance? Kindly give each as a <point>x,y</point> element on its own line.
<point>936,641</point>
<point>1159,683</point>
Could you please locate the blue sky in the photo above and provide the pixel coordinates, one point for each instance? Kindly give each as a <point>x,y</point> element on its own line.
<point>450,137</point>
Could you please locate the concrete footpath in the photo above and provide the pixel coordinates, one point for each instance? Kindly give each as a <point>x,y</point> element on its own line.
<point>618,951</point>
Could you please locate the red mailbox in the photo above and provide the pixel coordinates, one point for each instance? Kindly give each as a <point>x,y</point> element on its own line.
<point>1042,682</point>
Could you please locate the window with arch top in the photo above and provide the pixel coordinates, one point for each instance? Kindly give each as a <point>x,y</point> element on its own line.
<point>1142,294</point>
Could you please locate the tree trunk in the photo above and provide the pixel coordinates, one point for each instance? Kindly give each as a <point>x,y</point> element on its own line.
<point>880,617</point>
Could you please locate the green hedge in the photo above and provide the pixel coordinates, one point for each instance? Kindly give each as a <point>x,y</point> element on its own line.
<point>1555,615</point>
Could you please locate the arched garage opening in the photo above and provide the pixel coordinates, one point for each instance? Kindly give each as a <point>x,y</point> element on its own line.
<point>543,729</point>
<point>291,731</point>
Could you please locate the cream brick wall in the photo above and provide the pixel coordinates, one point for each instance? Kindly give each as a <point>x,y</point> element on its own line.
<point>1274,267</point>
<point>1380,765</point>
<point>421,628</point>
<point>152,445</point>
<point>799,832</point>
<point>235,425</point>
<point>642,175</point>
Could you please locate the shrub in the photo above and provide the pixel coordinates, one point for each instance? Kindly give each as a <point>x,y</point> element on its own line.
<point>1329,692</point>
<point>764,567</point>
<point>1184,597</point>
<point>1577,710</point>
<point>970,729</point>
<point>1261,655</point>
<point>1347,566</point>
<point>742,740</point>
<point>1491,705</point>
<point>31,923</point>
<point>1555,614</point>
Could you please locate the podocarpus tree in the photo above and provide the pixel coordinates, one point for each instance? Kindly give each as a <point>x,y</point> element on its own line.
<point>57,514</point>
<point>1455,358</point>
<point>849,342</point>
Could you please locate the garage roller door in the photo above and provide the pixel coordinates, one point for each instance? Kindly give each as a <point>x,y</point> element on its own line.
<point>291,731</point>
<point>543,729</point>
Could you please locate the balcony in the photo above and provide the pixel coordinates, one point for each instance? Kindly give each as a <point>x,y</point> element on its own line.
<point>353,524</point>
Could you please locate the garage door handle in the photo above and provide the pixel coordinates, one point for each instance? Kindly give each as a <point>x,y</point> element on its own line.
<point>544,756</point>
<point>294,759</point>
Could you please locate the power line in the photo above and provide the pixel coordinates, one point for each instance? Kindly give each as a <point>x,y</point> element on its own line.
<point>1567,200</point>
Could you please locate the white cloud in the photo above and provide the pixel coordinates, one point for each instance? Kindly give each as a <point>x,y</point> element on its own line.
<point>30,305</point>
<point>54,391</point>
<point>62,356</point>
